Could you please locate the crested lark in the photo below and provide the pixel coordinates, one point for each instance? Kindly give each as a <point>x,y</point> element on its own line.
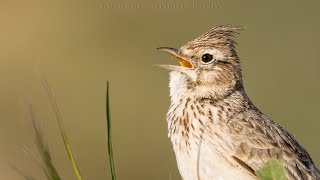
<point>216,131</point>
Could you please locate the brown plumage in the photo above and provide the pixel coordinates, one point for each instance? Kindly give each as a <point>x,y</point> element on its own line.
<point>216,131</point>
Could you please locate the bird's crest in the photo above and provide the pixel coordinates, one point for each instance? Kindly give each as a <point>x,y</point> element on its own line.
<point>220,35</point>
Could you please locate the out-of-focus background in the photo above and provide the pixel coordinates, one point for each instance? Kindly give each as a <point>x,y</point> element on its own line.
<point>79,45</point>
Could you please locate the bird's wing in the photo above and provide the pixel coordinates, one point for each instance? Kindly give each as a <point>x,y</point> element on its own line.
<point>259,139</point>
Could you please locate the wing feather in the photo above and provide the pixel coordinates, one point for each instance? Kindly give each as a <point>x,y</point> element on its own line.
<point>260,139</point>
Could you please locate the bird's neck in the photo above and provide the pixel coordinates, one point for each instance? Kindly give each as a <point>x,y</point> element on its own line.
<point>182,87</point>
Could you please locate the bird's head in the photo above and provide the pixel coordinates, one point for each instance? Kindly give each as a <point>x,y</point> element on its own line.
<point>208,63</point>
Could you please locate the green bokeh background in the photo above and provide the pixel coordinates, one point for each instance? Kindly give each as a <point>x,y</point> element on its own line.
<point>79,45</point>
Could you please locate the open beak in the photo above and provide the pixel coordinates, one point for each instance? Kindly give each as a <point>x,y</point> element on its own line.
<point>184,64</point>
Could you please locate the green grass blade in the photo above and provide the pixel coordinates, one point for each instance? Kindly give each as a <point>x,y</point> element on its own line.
<point>49,168</point>
<point>62,131</point>
<point>110,149</point>
<point>272,170</point>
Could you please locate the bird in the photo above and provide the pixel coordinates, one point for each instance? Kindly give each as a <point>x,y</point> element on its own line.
<point>217,133</point>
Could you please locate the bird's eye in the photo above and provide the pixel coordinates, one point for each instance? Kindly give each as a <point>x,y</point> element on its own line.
<point>206,58</point>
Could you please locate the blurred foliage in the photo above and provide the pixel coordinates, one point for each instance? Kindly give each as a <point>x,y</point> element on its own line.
<point>49,169</point>
<point>272,170</point>
<point>62,131</point>
<point>110,149</point>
